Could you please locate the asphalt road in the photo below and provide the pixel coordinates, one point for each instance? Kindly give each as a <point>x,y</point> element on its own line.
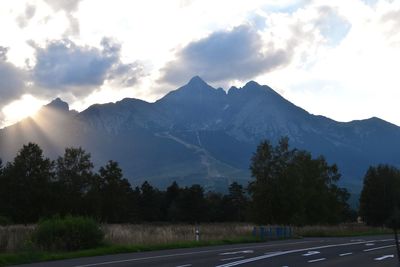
<point>352,252</point>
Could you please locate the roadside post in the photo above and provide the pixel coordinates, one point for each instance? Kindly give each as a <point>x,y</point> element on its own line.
<point>197,233</point>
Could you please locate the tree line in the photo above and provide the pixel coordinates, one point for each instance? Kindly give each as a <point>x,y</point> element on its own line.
<point>288,186</point>
<point>33,187</point>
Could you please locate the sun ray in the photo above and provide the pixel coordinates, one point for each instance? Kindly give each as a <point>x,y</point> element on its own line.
<point>22,108</point>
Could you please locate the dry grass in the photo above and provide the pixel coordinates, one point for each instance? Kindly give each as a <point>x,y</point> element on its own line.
<point>140,234</point>
<point>14,237</point>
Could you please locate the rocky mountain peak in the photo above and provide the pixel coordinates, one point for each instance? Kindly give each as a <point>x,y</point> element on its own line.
<point>197,82</point>
<point>58,104</point>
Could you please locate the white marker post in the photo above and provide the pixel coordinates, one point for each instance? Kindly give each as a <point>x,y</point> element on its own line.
<point>197,233</point>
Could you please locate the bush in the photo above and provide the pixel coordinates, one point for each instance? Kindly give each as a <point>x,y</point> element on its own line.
<point>4,221</point>
<point>69,233</point>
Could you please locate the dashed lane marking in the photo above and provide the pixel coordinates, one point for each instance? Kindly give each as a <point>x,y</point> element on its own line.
<point>371,249</point>
<point>316,260</point>
<point>240,262</point>
<point>345,254</point>
<point>310,253</point>
<point>190,253</point>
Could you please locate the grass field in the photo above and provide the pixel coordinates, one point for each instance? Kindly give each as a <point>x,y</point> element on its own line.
<point>16,246</point>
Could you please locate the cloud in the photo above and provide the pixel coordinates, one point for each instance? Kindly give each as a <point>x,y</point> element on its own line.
<point>24,18</point>
<point>370,2</point>
<point>63,66</point>
<point>3,53</point>
<point>331,25</point>
<point>391,23</point>
<point>238,54</point>
<point>12,79</point>
<point>69,7</point>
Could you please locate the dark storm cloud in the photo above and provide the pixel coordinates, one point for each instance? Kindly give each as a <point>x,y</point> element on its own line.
<point>12,79</point>
<point>64,66</point>
<point>236,54</point>
<point>24,19</point>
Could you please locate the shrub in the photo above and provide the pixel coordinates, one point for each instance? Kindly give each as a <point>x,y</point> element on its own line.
<point>4,221</point>
<point>69,233</point>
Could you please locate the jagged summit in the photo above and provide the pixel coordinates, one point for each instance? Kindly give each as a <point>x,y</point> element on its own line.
<point>256,87</point>
<point>197,81</point>
<point>197,84</point>
<point>196,90</point>
<point>252,84</point>
<point>58,104</point>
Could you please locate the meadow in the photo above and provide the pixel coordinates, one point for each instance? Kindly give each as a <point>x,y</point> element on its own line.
<point>15,238</point>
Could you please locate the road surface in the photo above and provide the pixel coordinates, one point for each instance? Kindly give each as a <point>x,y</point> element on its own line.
<point>352,252</point>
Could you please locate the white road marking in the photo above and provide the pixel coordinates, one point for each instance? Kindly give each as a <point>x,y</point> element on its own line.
<point>235,263</point>
<point>185,265</point>
<point>310,253</point>
<point>371,249</point>
<point>370,244</point>
<point>321,259</point>
<point>191,253</point>
<point>234,258</point>
<point>237,252</point>
<point>384,257</point>
<point>345,254</point>
<point>271,252</point>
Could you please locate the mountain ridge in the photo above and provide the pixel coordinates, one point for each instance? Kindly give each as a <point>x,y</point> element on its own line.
<point>199,134</point>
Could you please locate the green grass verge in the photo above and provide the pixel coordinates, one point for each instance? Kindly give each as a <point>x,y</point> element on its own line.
<point>317,233</point>
<point>32,256</point>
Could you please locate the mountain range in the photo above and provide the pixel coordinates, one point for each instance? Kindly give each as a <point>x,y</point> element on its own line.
<point>199,134</point>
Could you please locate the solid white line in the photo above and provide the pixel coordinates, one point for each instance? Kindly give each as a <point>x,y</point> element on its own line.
<point>295,251</point>
<point>271,252</point>
<point>185,265</point>
<point>371,249</point>
<point>237,252</point>
<point>234,258</point>
<point>321,259</point>
<point>191,253</point>
<point>345,254</point>
<point>384,257</point>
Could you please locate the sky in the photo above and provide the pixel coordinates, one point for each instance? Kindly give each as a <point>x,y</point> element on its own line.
<point>338,58</point>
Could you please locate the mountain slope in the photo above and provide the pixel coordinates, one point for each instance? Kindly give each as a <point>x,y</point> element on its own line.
<point>198,134</point>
